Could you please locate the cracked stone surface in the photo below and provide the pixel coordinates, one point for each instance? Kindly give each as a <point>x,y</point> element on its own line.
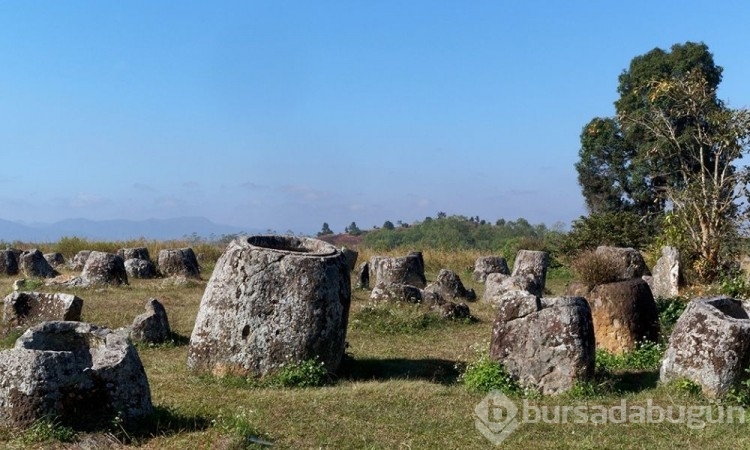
<point>532,263</point>
<point>83,374</point>
<point>104,268</point>
<point>272,300</point>
<point>486,265</point>
<point>633,265</point>
<point>710,345</point>
<point>448,285</point>
<point>26,308</point>
<point>179,262</point>
<point>33,264</point>
<point>546,344</point>
<point>407,269</point>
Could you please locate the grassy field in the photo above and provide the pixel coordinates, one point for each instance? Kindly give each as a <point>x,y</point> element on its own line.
<point>398,389</point>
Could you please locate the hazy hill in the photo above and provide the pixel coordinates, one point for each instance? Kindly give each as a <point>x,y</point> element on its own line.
<point>158,229</point>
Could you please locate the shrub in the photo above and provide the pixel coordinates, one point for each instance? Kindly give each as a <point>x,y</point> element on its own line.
<point>308,373</point>
<point>594,268</point>
<point>646,356</point>
<point>484,375</point>
<point>46,430</point>
<point>669,309</point>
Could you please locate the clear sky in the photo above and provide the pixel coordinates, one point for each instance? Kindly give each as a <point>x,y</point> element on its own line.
<point>288,114</point>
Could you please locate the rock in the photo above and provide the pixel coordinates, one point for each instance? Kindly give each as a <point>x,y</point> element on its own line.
<point>104,269</point>
<point>448,285</point>
<point>79,260</point>
<point>633,265</point>
<point>8,262</point>
<point>451,310</point>
<point>351,257</point>
<point>546,344</point>
<point>407,269</point>
<point>153,325</point>
<point>55,259</point>
<point>33,264</point>
<point>25,308</point>
<point>710,345</point>
<point>134,253</point>
<point>486,265</point>
<point>532,263</point>
<point>396,292</point>
<point>498,284</point>
<point>79,373</point>
<point>624,314</point>
<point>363,276</point>
<point>140,268</point>
<point>666,279</point>
<point>179,262</point>
<point>272,300</point>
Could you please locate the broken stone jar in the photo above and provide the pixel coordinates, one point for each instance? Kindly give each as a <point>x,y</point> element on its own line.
<point>272,300</point>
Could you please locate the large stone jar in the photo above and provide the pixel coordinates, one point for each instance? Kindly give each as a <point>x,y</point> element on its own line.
<point>272,300</point>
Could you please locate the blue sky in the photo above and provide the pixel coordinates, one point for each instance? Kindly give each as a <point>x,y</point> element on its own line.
<point>285,115</point>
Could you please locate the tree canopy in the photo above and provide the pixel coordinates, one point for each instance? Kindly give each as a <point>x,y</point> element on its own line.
<point>670,152</point>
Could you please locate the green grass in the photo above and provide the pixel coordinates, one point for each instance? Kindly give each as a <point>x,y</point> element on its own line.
<point>394,389</point>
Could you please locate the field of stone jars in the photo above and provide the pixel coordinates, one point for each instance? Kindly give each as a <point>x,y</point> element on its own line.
<point>290,342</point>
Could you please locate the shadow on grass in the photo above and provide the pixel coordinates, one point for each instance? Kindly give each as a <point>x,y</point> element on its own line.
<point>370,369</point>
<point>631,381</point>
<point>163,421</point>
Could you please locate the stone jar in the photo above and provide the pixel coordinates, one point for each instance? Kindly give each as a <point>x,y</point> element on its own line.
<point>272,300</point>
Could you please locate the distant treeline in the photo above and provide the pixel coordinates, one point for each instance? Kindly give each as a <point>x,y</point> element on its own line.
<point>460,232</point>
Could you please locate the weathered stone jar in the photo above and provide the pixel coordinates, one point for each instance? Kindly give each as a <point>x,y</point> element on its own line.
<point>272,300</point>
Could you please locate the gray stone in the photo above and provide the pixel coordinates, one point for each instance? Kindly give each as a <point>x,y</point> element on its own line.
<point>8,262</point>
<point>666,279</point>
<point>449,286</point>
<point>82,374</point>
<point>26,308</point>
<point>363,276</point>
<point>407,269</point>
<point>153,325</point>
<point>134,253</point>
<point>33,264</point>
<point>272,300</point>
<point>79,259</point>
<point>486,265</point>
<point>546,344</point>
<point>532,263</point>
<point>710,345</point>
<point>179,262</point>
<point>633,265</point>
<point>396,292</point>
<point>104,269</point>
<point>454,311</point>
<point>498,284</point>
<point>351,257</point>
<point>140,268</point>
<point>55,259</point>
<point>624,315</point>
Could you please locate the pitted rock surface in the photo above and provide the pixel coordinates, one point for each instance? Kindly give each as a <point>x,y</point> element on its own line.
<point>140,268</point>
<point>497,284</point>
<point>153,325</point>
<point>631,260</point>
<point>79,260</point>
<point>179,262</point>
<point>27,308</point>
<point>710,345</point>
<point>407,269</point>
<point>486,265</point>
<point>546,344</point>
<point>624,315</point>
<point>82,374</point>
<point>448,286</point>
<point>532,263</point>
<point>272,300</point>
<point>104,269</point>
<point>134,253</point>
<point>32,264</point>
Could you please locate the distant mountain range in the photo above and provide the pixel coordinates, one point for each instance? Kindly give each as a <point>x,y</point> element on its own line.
<point>116,230</point>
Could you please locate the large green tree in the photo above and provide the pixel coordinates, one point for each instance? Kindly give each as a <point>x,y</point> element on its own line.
<point>617,171</point>
<point>671,149</point>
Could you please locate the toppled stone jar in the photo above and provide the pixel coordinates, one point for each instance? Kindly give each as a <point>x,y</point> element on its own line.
<point>272,300</point>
